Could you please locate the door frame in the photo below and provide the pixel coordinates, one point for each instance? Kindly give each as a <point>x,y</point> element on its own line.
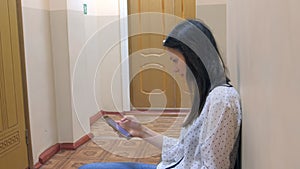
<point>124,55</point>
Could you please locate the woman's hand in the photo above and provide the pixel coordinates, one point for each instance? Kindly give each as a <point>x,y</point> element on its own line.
<point>132,125</point>
<point>136,129</point>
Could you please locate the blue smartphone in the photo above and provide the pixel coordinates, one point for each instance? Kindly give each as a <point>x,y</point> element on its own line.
<point>117,127</point>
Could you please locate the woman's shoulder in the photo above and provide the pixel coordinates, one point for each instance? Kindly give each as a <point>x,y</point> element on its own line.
<point>222,98</point>
<point>224,94</point>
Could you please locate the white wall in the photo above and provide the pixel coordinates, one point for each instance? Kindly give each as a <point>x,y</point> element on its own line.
<point>91,38</point>
<point>213,13</point>
<point>210,2</point>
<point>63,45</point>
<point>40,77</point>
<point>263,42</point>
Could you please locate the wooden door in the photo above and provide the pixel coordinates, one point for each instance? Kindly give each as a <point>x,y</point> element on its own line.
<point>13,147</point>
<point>152,83</point>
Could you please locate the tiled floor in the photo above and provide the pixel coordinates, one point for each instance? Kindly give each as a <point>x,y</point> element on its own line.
<point>107,146</point>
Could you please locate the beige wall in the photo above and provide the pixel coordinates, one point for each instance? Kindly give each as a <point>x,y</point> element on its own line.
<point>93,44</point>
<point>40,76</point>
<point>63,55</point>
<point>213,13</point>
<point>263,42</point>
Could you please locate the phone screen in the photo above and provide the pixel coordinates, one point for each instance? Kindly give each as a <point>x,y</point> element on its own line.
<point>117,127</point>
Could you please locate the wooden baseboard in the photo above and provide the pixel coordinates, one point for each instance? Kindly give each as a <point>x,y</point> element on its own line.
<point>168,112</point>
<point>101,113</point>
<point>51,151</point>
<point>38,165</point>
<point>78,143</point>
<point>95,117</point>
<point>48,153</point>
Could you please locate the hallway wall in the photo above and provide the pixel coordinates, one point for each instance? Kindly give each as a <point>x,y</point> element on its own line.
<point>213,13</point>
<point>263,43</point>
<point>63,54</point>
<point>94,56</point>
<point>40,75</point>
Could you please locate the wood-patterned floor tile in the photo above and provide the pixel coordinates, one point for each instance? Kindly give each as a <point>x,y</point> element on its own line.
<point>107,146</point>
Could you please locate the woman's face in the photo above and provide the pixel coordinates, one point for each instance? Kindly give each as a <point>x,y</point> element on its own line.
<point>179,62</point>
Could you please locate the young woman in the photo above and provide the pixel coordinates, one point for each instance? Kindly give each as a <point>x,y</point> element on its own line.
<point>209,135</point>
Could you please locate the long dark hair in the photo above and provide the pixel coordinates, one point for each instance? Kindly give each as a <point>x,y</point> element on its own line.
<point>197,77</point>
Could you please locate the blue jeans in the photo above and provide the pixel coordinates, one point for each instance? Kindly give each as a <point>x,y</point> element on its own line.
<point>118,165</point>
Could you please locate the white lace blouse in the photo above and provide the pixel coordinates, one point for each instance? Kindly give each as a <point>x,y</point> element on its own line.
<point>209,142</point>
